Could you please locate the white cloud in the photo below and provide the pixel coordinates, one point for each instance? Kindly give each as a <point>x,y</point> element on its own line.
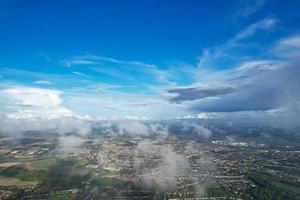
<point>34,96</point>
<point>171,165</point>
<point>201,115</point>
<point>60,125</point>
<point>26,102</point>
<point>199,129</point>
<point>40,112</point>
<point>129,117</point>
<point>205,116</point>
<point>133,128</point>
<point>69,144</point>
<point>159,129</point>
<point>72,125</point>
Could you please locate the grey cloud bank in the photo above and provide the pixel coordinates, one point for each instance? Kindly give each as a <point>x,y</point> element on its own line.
<point>198,92</point>
<point>263,90</point>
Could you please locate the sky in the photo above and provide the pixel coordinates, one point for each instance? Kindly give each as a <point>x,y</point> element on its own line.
<point>134,59</point>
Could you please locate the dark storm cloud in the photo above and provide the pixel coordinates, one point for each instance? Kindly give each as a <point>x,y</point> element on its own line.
<point>198,92</point>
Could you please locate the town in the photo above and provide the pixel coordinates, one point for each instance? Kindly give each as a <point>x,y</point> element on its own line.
<point>175,167</point>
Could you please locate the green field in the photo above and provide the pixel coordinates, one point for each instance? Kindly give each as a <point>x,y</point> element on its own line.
<point>43,164</point>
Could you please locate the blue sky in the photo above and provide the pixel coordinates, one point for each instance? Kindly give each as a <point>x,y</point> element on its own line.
<point>149,59</point>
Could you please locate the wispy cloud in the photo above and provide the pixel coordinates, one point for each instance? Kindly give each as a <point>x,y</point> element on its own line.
<point>102,64</point>
<point>43,82</point>
<point>81,74</point>
<point>46,56</point>
<point>265,24</point>
<point>95,59</point>
<point>212,56</point>
<point>70,63</point>
<point>288,47</point>
<point>49,80</point>
<point>250,7</point>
